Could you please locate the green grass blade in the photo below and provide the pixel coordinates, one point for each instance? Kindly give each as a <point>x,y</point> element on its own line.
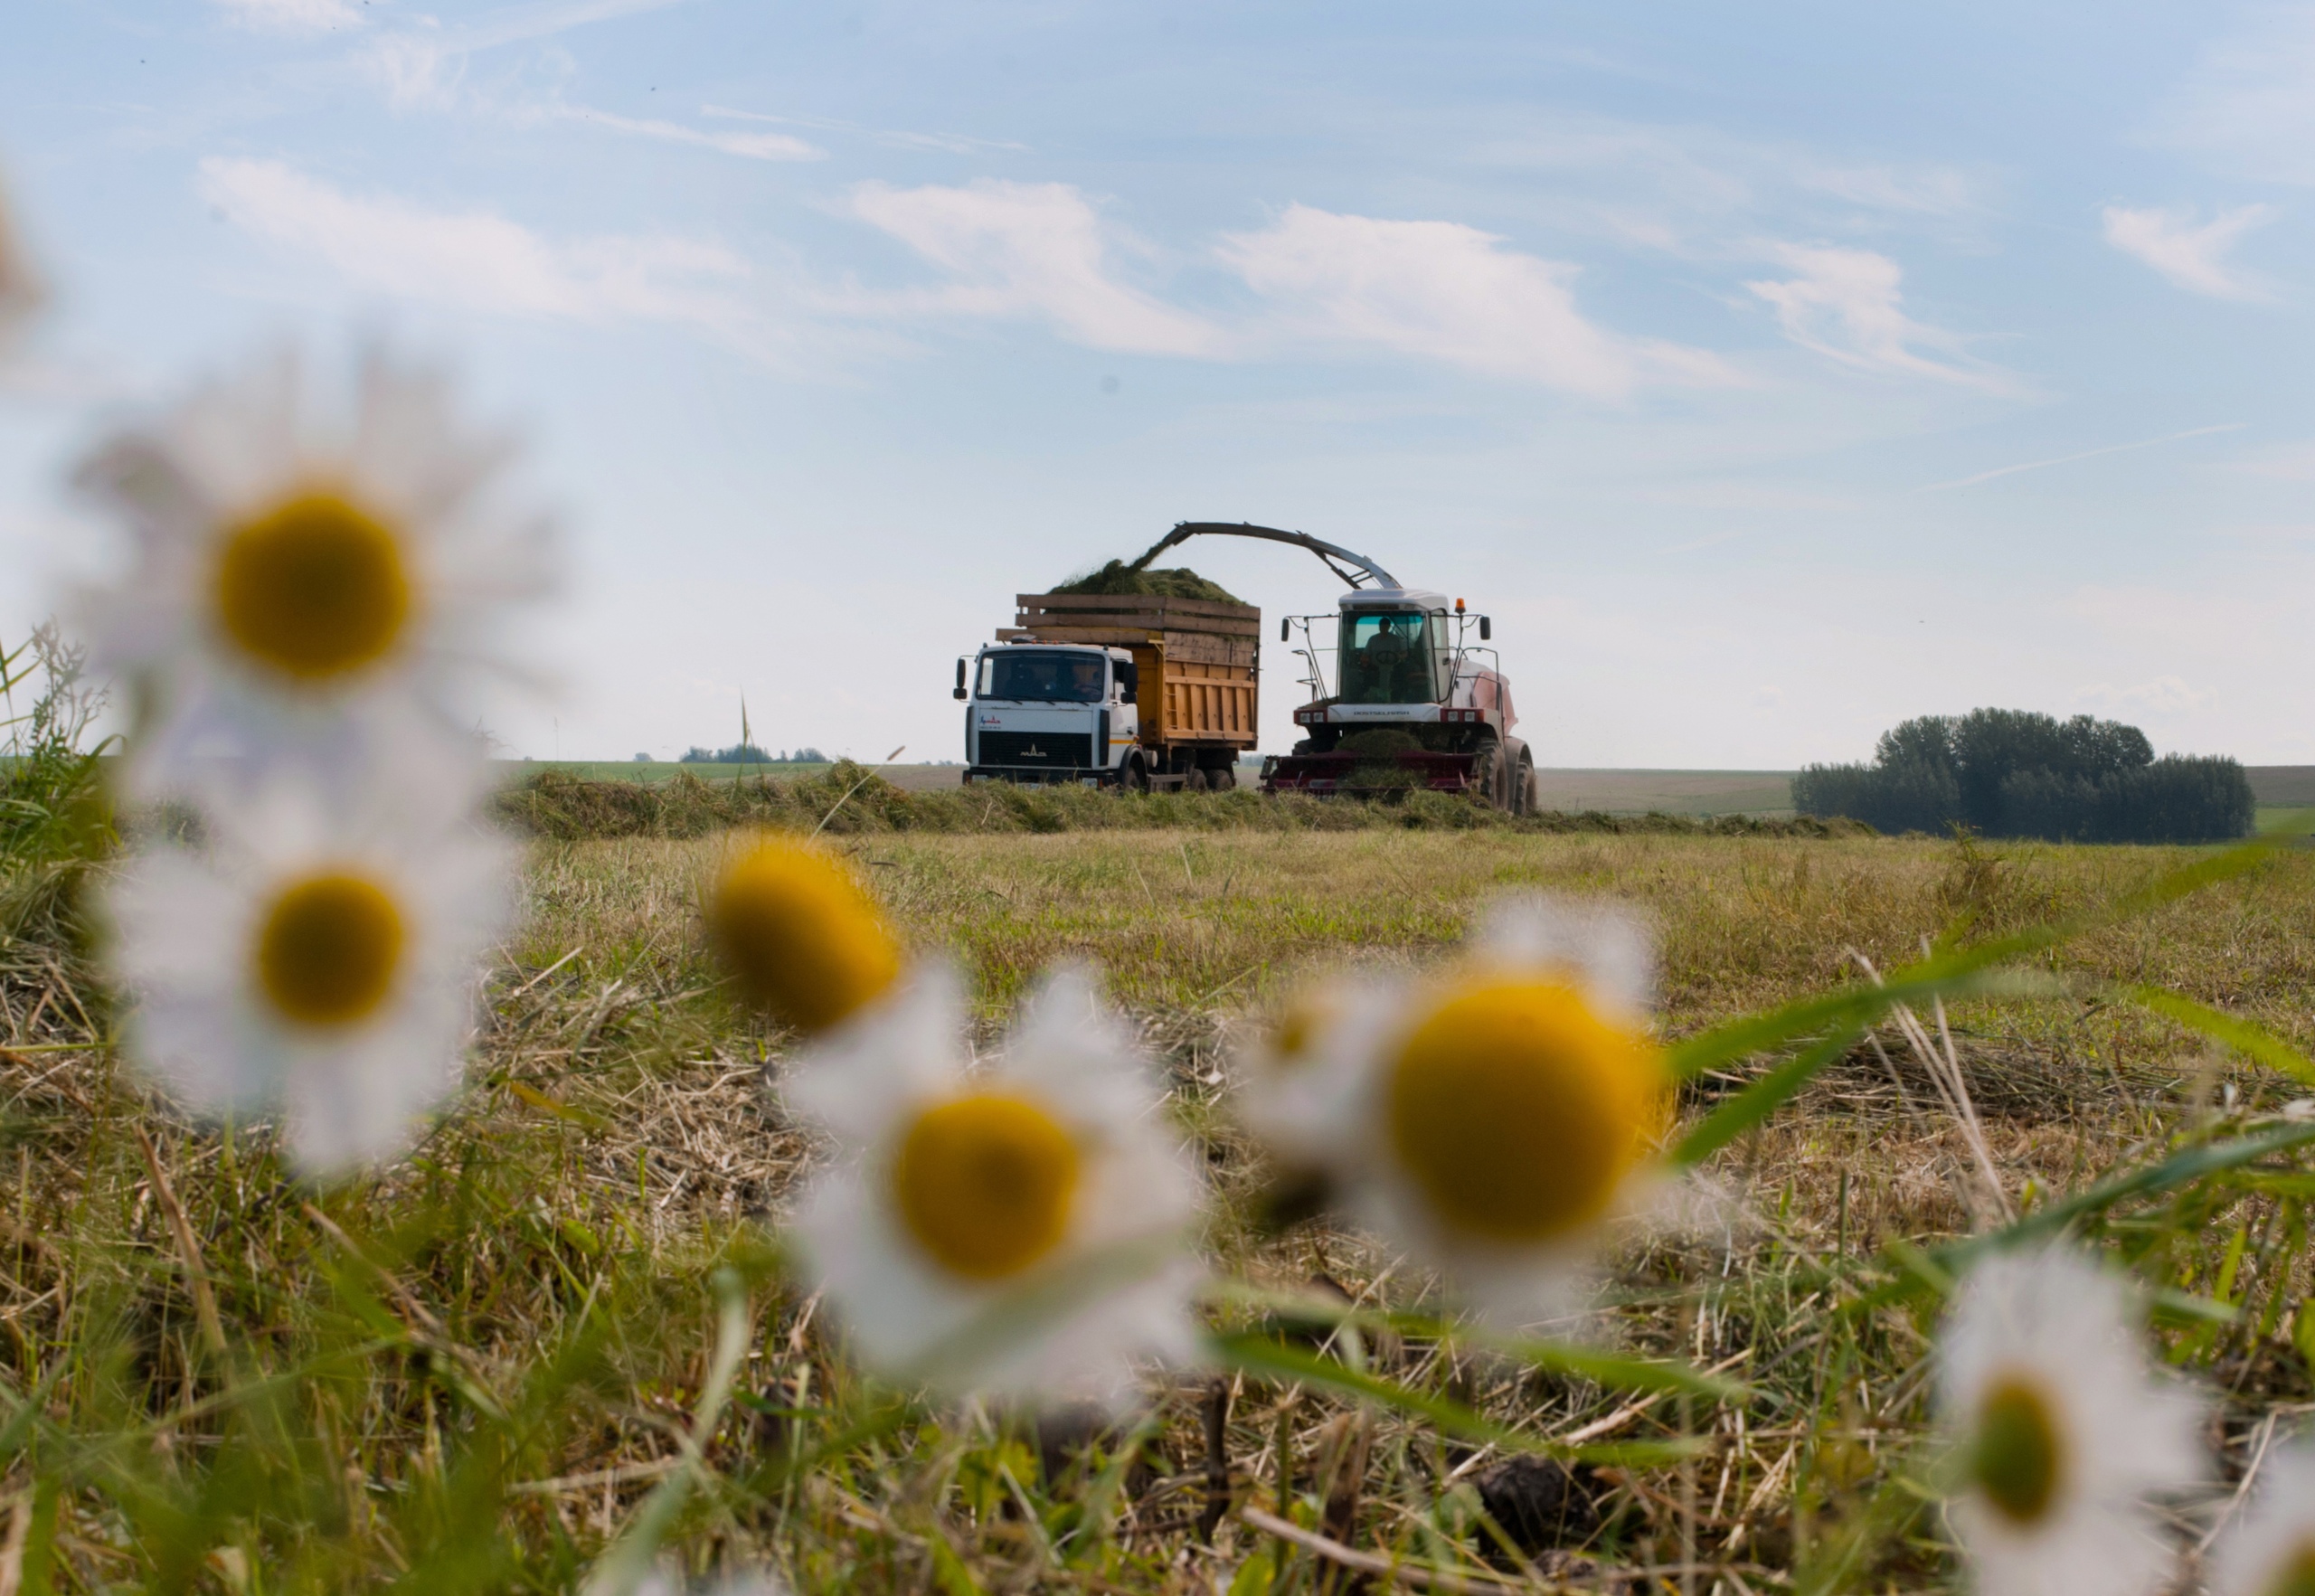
<point>1753,1105</point>
<point>2252,1040</point>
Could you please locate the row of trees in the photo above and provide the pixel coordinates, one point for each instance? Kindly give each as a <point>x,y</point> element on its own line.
<point>2006,772</point>
<point>748,753</point>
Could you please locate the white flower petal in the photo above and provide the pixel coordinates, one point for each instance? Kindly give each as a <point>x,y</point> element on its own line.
<point>1081,1336</point>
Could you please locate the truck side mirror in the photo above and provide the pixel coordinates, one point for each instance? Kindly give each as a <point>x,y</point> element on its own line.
<point>1486,629</point>
<point>960,679</point>
<point>1285,629</point>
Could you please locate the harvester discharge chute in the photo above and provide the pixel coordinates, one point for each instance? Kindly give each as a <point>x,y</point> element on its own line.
<point>1402,698</point>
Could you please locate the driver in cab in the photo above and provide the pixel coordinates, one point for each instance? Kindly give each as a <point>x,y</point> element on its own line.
<point>1385,655</point>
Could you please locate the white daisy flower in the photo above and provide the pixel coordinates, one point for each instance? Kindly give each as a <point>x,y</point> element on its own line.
<point>2062,1431</point>
<point>2270,1550</point>
<point>304,570</point>
<point>1492,1122</point>
<point>19,289</point>
<point>317,961</point>
<point>799,936</point>
<point>1018,1231</point>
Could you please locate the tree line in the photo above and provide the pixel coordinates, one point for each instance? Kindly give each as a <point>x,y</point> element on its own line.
<point>748,753</point>
<point>2016,773</point>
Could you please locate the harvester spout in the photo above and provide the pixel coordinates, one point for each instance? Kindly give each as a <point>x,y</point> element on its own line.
<point>1364,571</point>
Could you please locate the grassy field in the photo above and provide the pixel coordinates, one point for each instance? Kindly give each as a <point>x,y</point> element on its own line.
<point>474,1371</point>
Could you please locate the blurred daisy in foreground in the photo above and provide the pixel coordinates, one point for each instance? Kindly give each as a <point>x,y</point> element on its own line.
<point>2271,1552</point>
<point>20,290</point>
<point>2061,1432</point>
<point>799,937</point>
<point>306,564</point>
<point>1493,1122</point>
<point>318,962</point>
<point>1018,1231</point>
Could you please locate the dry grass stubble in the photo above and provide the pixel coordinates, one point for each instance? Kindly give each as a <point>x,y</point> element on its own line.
<point>617,1143</point>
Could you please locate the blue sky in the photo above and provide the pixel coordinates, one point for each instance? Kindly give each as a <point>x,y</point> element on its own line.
<point>1771,373</point>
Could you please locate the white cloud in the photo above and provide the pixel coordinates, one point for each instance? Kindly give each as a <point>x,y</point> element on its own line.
<point>481,261</point>
<point>1845,304</point>
<point>292,16</point>
<point>1027,249</point>
<point>2191,256</point>
<point>1447,292</point>
<point>2249,104</point>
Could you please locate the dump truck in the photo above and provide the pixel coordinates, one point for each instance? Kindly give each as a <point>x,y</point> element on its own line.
<point>1133,691</point>
<point>1412,700</point>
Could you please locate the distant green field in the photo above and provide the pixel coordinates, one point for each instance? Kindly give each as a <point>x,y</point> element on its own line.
<point>2284,791</point>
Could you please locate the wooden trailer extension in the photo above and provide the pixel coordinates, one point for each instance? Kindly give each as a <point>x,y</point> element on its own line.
<point>1198,661</point>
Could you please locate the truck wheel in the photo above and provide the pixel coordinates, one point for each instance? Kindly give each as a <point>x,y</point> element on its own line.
<point>1194,782</point>
<point>1135,776</point>
<point>1222,778</point>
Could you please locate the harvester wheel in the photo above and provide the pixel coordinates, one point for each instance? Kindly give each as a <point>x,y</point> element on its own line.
<point>1523,786</point>
<point>1487,775</point>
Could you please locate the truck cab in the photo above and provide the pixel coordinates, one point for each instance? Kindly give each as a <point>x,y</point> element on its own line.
<point>1049,712</point>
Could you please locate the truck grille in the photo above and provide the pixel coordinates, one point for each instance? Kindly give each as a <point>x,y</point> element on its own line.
<point>1039,750</point>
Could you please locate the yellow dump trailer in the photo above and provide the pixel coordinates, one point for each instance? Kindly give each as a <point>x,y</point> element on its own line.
<point>1196,664</point>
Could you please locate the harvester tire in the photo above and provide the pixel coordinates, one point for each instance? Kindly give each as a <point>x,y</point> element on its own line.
<point>1525,787</point>
<point>1487,775</point>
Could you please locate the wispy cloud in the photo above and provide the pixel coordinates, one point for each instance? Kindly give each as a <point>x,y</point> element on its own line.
<point>2164,695</point>
<point>425,64</point>
<point>1846,305</point>
<point>293,17</point>
<point>1443,291</point>
<point>479,260</point>
<point>2191,255</point>
<point>1026,249</point>
<point>757,147</point>
<point>1921,190</point>
<point>955,144</point>
<point>2087,454</point>
<point>2293,462</point>
<point>2249,103</point>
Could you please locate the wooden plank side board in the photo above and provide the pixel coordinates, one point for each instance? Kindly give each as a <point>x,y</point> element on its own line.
<point>1137,602</point>
<point>1196,648</point>
<point>1111,636</point>
<point>1142,620</point>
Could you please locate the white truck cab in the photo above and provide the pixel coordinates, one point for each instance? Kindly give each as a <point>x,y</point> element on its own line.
<point>1049,712</point>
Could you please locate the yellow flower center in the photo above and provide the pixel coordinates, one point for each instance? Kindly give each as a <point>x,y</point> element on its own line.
<point>984,1184</point>
<point>1298,1029</point>
<point>328,949</point>
<point>1518,1110</point>
<point>2018,1459</point>
<point>2295,1575</point>
<point>313,588</point>
<point>799,937</point>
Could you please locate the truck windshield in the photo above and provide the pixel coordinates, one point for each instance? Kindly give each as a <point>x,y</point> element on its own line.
<point>1386,659</point>
<point>1043,675</point>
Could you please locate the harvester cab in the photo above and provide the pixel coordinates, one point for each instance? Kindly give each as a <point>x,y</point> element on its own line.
<point>1403,697</point>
